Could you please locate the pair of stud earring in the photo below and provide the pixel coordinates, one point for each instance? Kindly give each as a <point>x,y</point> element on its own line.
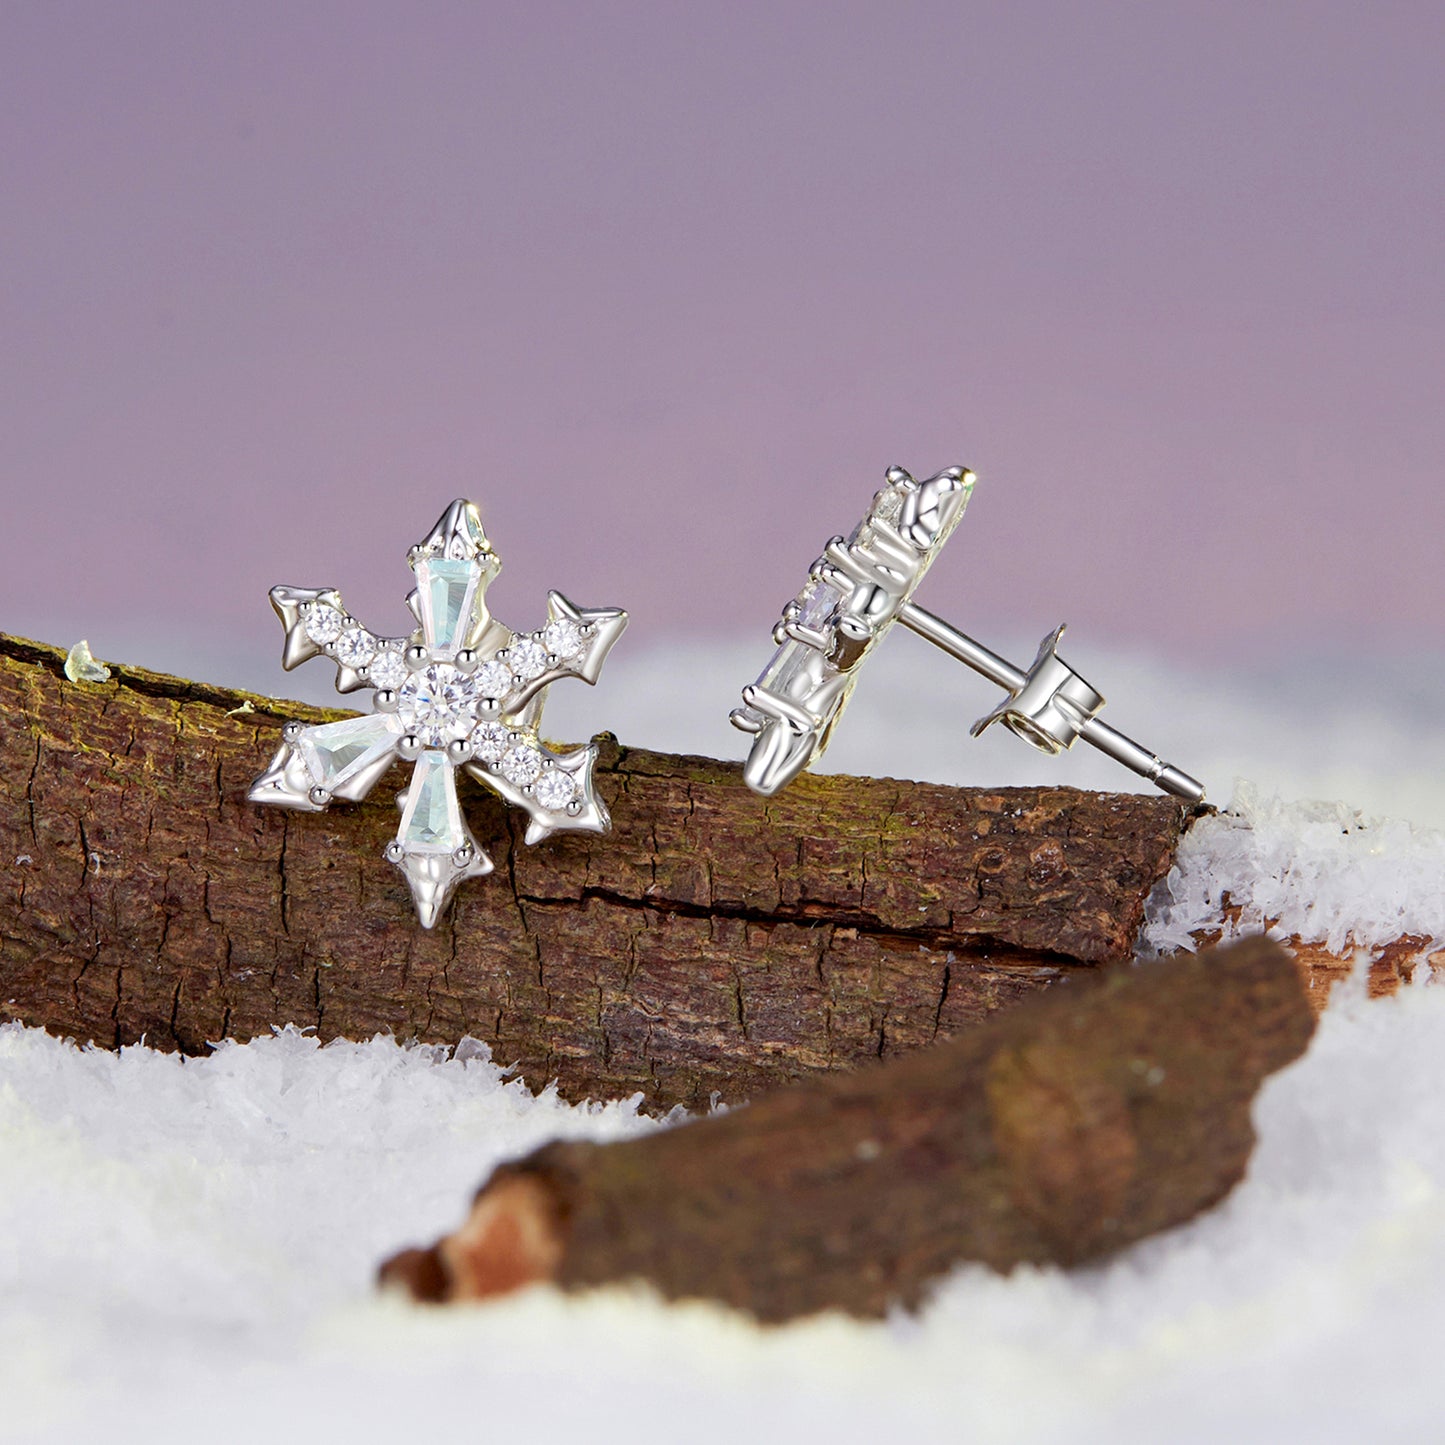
<point>463,691</point>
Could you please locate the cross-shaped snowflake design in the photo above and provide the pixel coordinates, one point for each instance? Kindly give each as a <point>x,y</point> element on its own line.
<point>461,691</point>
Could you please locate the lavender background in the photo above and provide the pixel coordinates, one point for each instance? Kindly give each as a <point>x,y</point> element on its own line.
<point>667,287</point>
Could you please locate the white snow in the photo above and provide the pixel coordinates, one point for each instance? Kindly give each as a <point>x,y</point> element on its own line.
<point>187,1247</point>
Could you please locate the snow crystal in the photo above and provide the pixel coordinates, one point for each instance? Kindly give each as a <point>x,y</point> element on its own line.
<point>1321,871</point>
<point>189,1246</point>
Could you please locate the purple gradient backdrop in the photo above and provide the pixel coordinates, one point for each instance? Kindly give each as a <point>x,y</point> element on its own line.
<point>666,287</point>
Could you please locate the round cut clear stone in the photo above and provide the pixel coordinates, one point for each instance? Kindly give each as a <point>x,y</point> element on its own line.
<point>437,704</point>
<point>323,623</point>
<point>490,741</point>
<point>521,765</point>
<point>563,638</point>
<point>494,679</point>
<point>387,669</point>
<point>355,647</point>
<point>555,788</point>
<point>528,658</point>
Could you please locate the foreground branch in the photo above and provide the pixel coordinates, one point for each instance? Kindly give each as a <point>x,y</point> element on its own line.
<point>714,941</point>
<point>1059,1132</point>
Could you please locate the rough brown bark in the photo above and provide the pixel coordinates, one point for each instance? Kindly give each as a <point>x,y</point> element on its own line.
<point>714,941</point>
<point>1059,1132</point>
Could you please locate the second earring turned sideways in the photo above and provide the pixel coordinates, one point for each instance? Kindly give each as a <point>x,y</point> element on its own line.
<point>856,591</point>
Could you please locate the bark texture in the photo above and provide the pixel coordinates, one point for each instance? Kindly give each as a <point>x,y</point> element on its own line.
<point>713,942</point>
<point>1059,1132</point>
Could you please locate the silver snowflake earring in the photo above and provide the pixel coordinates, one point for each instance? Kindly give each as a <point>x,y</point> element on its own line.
<point>856,591</point>
<point>461,691</point>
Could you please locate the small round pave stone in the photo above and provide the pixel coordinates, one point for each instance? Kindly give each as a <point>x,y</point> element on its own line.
<point>521,765</point>
<point>494,679</point>
<point>528,658</point>
<point>437,704</point>
<point>562,638</point>
<point>355,647</point>
<point>555,788</point>
<point>323,623</point>
<point>490,741</point>
<point>387,669</point>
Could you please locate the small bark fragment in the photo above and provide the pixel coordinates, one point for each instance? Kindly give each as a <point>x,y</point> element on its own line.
<point>1057,1133</point>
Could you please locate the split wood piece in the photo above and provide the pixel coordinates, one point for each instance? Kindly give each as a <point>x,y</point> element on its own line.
<point>1059,1132</point>
<point>715,941</point>
<point>1388,966</point>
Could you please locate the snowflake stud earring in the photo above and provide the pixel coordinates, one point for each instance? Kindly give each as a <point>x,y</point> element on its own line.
<point>856,591</point>
<point>462,691</point>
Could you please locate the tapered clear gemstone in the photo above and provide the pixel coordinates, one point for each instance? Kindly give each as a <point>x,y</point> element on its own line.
<point>431,822</point>
<point>437,704</point>
<point>447,593</point>
<point>336,752</point>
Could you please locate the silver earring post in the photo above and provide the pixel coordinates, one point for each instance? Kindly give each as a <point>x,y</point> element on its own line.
<point>857,590</point>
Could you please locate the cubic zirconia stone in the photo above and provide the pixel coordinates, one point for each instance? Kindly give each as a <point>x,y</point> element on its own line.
<point>563,638</point>
<point>336,752</point>
<point>888,505</point>
<point>437,704</point>
<point>387,669</point>
<point>528,658</point>
<point>432,819</point>
<point>816,604</point>
<point>522,764</point>
<point>490,741</point>
<point>355,647</point>
<point>323,623</point>
<point>555,788</point>
<point>494,679</point>
<point>447,593</point>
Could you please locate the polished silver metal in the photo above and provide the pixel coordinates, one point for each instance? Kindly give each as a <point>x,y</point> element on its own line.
<point>429,709</point>
<point>856,591</point>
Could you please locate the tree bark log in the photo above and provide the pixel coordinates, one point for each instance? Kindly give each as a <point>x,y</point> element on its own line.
<point>1057,1133</point>
<point>713,942</point>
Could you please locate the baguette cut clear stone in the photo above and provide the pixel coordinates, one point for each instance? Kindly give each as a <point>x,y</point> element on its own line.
<point>447,591</point>
<point>335,752</point>
<point>432,819</point>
